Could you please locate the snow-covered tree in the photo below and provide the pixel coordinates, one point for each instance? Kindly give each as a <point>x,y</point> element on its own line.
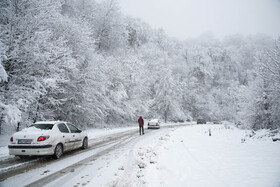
<point>3,73</point>
<point>268,98</point>
<point>110,31</point>
<point>85,62</point>
<point>167,101</point>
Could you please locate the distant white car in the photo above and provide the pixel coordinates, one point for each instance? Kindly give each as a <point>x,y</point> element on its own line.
<point>47,138</point>
<point>154,124</point>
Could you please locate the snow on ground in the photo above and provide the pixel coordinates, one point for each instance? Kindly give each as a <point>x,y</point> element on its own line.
<point>188,156</point>
<point>4,141</point>
<point>182,156</point>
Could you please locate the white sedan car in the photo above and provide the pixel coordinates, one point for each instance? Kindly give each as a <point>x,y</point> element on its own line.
<point>47,138</point>
<point>154,123</point>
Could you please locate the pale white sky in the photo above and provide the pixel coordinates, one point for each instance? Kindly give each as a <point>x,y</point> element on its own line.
<point>191,18</point>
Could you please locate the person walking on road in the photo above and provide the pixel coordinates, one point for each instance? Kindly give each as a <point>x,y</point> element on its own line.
<point>141,125</point>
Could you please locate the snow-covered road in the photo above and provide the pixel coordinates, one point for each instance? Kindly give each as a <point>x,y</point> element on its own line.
<point>171,156</point>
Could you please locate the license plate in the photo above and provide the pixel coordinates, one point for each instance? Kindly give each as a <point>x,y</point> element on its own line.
<point>24,141</point>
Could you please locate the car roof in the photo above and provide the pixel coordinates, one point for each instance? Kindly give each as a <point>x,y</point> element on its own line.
<point>49,122</point>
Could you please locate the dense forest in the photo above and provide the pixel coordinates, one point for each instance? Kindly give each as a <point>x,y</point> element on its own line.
<point>86,62</point>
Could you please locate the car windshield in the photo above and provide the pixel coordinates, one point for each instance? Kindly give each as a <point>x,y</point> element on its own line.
<point>43,126</point>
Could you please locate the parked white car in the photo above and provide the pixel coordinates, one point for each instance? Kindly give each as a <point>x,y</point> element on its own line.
<point>47,138</point>
<point>154,124</point>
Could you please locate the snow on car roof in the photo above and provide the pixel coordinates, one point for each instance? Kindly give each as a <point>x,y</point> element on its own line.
<point>154,120</point>
<point>49,122</point>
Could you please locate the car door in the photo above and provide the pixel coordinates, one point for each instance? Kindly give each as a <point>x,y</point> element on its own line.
<point>67,139</point>
<point>76,135</point>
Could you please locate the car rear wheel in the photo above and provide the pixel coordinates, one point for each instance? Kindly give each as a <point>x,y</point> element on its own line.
<point>58,152</point>
<point>22,156</point>
<point>85,143</point>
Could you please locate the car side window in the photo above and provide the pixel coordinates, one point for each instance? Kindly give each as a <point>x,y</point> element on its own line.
<point>72,128</point>
<point>62,127</point>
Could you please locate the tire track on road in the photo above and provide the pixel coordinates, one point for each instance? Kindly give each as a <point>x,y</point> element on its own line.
<point>56,175</point>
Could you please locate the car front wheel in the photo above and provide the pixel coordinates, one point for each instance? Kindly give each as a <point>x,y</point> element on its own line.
<point>85,143</point>
<point>58,152</point>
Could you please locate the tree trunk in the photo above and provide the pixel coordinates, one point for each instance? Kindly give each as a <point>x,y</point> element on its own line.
<point>18,126</point>
<point>1,121</point>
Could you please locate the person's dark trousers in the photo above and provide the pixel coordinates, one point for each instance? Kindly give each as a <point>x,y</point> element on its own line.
<point>141,128</point>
